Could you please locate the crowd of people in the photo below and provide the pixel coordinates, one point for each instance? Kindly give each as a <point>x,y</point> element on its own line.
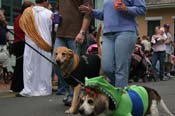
<point>67,26</point>
<point>4,53</point>
<point>157,51</point>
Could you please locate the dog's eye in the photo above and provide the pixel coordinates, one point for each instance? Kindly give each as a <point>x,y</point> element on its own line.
<point>90,101</point>
<point>81,101</point>
<point>56,54</point>
<point>63,54</point>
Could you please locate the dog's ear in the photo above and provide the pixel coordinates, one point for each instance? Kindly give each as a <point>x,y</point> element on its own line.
<point>56,52</point>
<point>100,105</point>
<point>70,52</point>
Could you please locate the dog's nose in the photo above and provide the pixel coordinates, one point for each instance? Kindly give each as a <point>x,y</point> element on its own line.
<point>58,62</point>
<point>81,111</point>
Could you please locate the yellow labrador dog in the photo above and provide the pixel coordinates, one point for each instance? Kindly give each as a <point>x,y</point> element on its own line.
<point>76,67</point>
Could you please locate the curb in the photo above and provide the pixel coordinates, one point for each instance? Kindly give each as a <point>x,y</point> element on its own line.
<point>7,95</point>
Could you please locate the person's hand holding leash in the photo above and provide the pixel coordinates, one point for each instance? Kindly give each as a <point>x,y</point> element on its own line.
<point>80,37</point>
<point>87,9</point>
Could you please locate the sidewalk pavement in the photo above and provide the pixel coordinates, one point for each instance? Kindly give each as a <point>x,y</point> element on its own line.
<point>53,106</point>
<point>5,89</point>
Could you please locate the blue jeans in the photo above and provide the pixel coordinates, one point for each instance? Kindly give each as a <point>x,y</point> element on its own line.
<point>67,42</point>
<point>159,56</point>
<point>116,56</point>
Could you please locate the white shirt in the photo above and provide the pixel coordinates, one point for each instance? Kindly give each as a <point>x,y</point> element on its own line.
<point>147,45</point>
<point>158,45</point>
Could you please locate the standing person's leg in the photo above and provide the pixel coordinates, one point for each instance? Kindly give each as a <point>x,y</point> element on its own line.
<point>107,59</point>
<point>59,42</point>
<point>70,43</point>
<point>124,45</point>
<point>168,64</point>
<point>162,64</point>
<point>154,63</point>
<point>62,85</point>
<point>17,80</point>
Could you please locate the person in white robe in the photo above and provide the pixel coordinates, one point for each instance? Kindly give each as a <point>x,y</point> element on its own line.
<point>37,70</point>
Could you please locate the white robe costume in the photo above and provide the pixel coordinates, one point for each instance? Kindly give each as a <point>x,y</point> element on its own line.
<point>37,70</point>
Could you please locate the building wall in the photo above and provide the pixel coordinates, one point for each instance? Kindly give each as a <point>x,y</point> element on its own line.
<point>29,0</point>
<point>167,17</point>
<point>142,26</point>
<point>98,5</point>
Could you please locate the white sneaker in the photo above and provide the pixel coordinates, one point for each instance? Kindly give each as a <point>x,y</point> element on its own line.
<point>169,75</point>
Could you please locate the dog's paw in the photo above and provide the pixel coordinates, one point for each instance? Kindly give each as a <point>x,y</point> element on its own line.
<point>69,111</point>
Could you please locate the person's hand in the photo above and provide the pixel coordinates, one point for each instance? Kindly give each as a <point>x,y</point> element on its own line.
<point>85,9</point>
<point>80,38</point>
<point>122,7</point>
<point>52,17</point>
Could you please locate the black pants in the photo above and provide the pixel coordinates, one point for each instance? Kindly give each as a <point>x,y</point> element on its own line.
<point>159,56</point>
<point>17,81</point>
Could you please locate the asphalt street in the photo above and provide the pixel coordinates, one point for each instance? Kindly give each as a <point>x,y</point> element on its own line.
<point>53,106</point>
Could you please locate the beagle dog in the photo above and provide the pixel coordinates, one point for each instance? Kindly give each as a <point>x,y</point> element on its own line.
<point>131,101</point>
<point>75,68</point>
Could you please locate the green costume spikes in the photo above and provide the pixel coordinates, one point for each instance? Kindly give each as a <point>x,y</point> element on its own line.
<point>104,86</point>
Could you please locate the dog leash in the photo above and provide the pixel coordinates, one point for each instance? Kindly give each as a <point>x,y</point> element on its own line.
<point>33,48</point>
<point>51,61</point>
<point>78,81</point>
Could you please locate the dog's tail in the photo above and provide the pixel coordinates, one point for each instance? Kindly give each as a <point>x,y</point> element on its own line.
<point>165,107</point>
<point>99,32</point>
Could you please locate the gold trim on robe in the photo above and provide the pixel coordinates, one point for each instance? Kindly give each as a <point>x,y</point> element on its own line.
<point>28,25</point>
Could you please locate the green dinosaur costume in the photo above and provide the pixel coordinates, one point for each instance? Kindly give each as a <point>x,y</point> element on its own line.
<point>131,101</point>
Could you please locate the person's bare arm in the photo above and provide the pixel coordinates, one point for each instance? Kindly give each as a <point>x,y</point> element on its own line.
<point>81,35</point>
<point>85,25</point>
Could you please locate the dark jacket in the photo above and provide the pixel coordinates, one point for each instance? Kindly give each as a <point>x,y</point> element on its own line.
<point>3,32</point>
<point>71,18</point>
